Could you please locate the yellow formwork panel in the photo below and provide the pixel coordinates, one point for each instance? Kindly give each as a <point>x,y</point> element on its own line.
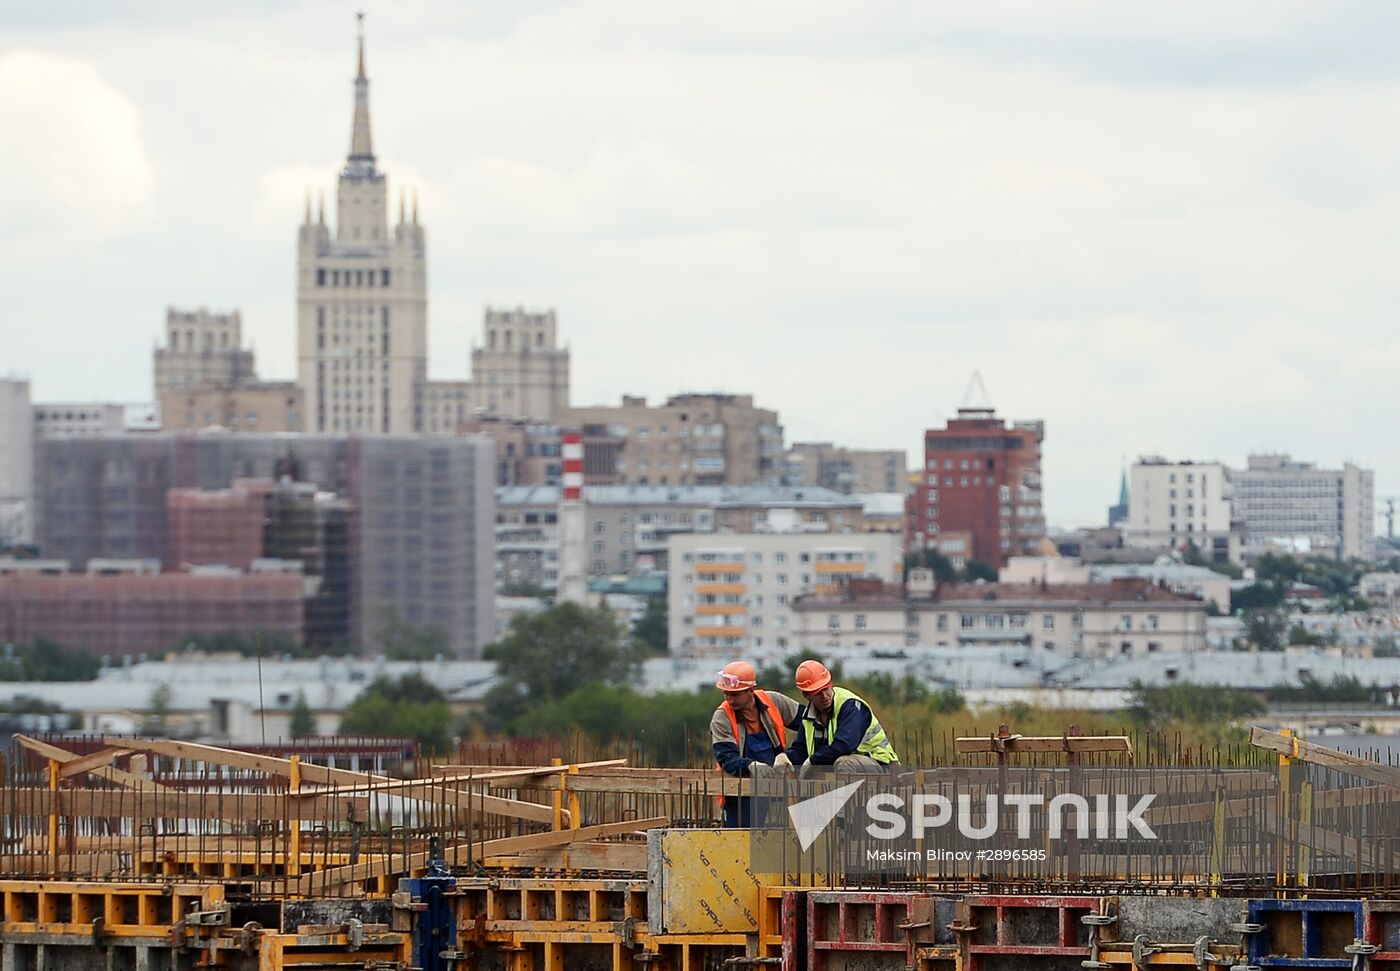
<point>703,881</point>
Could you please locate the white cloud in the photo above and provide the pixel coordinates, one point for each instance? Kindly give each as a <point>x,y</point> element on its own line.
<point>74,162</point>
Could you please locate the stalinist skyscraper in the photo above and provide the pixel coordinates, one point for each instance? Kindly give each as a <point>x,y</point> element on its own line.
<point>362,300</point>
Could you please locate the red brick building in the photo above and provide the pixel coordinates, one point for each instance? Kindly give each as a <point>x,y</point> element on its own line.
<point>218,527</point>
<point>979,498</point>
<point>146,613</point>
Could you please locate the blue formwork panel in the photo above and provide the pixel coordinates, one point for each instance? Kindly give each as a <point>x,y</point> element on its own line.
<point>435,925</point>
<point>1304,933</point>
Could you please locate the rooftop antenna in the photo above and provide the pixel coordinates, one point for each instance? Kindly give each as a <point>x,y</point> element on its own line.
<point>977,402</point>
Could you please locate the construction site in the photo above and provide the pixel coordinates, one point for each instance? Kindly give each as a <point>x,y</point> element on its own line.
<point>138,854</point>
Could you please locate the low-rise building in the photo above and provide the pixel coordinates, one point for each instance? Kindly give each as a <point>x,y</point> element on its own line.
<point>1122,617</point>
<point>263,406</point>
<point>141,613</point>
<point>734,591</point>
<point>1197,581</point>
<point>847,470</point>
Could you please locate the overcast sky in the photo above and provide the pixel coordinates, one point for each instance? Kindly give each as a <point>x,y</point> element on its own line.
<point>1167,228</point>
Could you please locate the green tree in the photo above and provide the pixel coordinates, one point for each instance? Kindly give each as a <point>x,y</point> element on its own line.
<point>409,707</point>
<point>303,724</point>
<point>942,567</point>
<point>1265,627</point>
<point>651,631</point>
<point>43,660</point>
<point>1257,595</point>
<point>977,570</point>
<point>158,710</point>
<point>1192,703</point>
<point>402,641</point>
<point>545,656</point>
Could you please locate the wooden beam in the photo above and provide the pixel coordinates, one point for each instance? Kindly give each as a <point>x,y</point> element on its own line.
<point>62,756</point>
<point>97,760</point>
<point>1020,745</point>
<point>329,880</point>
<point>472,773</point>
<point>323,775</point>
<point>578,856</point>
<point>186,804</point>
<point>437,780</point>
<point>1295,747</point>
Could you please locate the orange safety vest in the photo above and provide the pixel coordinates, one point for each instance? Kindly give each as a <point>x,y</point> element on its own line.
<point>772,713</point>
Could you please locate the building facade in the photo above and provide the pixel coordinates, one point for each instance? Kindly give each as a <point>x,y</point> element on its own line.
<point>362,301</point>
<point>1173,504</point>
<point>981,483</point>
<point>1285,504</point>
<point>733,592</point>
<point>691,439</point>
<point>215,527</point>
<point>421,546</point>
<point>264,406</point>
<point>16,462</point>
<point>79,420</point>
<point>847,470</point>
<point>139,613</point>
<point>202,348</point>
<point>1126,617</point>
<point>519,370</point>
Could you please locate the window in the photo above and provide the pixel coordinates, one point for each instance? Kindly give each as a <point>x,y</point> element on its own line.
<point>779,557</point>
<point>833,621</point>
<point>598,547</point>
<point>1125,622</point>
<point>1047,622</point>
<point>860,621</point>
<point>781,579</point>
<point>1152,622</point>
<point>942,623</point>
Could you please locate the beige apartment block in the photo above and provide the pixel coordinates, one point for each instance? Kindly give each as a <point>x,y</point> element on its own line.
<point>446,407</point>
<point>362,300</point>
<point>847,470</point>
<point>1175,504</point>
<point>734,592</point>
<point>519,370</point>
<point>691,439</point>
<point>1124,617</point>
<point>202,349</point>
<point>265,406</point>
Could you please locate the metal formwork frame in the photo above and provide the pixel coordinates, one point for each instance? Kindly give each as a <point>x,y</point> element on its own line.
<point>899,923</point>
<point>998,925</point>
<point>1306,933</point>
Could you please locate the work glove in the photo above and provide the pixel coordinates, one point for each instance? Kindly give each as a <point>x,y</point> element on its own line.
<point>782,761</point>
<point>806,771</point>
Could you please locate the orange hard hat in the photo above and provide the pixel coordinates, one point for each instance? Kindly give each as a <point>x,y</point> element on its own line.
<point>812,676</point>
<point>736,676</point>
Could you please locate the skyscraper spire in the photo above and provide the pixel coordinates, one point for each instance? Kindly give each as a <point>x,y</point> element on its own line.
<point>361,159</point>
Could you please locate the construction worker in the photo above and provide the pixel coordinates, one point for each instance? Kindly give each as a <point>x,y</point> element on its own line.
<point>836,727</point>
<point>748,731</point>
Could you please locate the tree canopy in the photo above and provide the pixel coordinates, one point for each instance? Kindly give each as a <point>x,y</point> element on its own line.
<point>408,707</point>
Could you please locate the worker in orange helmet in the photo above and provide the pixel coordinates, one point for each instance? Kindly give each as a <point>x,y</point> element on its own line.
<point>836,727</point>
<point>748,731</point>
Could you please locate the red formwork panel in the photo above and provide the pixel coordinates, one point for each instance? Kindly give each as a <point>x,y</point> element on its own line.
<point>1382,922</point>
<point>874,930</point>
<point>1000,931</point>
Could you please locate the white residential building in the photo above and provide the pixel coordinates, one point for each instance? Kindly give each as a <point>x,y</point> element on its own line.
<point>1295,506</point>
<point>1173,504</point>
<point>16,462</point>
<point>733,592</point>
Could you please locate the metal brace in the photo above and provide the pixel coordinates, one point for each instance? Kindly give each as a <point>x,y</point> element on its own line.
<point>1245,967</point>
<point>1360,951</point>
<point>354,933</point>
<point>207,918</point>
<point>99,927</point>
<point>455,955</point>
<point>743,959</point>
<point>1243,927</point>
<point>1205,958</point>
<point>627,930</point>
<point>1142,950</point>
<point>248,937</point>
<point>1094,922</point>
<point>646,957</point>
<point>999,742</point>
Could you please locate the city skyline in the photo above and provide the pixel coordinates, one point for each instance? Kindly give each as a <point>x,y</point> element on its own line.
<point>1142,251</point>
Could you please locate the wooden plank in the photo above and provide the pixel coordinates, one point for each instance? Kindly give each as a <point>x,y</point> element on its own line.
<point>1043,743</point>
<point>62,756</point>
<point>579,856</point>
<point>470,773</point>
<point>97,760</point>
<point>324,775</point>
<point>717,784</point>
<point>329,880</point>
<point>180,804</point>
<point>469,777</point>
<point>1321,755</point>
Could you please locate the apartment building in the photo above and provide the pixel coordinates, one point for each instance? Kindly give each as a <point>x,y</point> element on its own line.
<point>422,537</point>
<point>16,462</point>
<point>519,370</point>
<point>1174,504</point>
<point>627,528</point>
<point>1286,504</point>
<point>847,470</point>
<point>1124,617</point>
<point>691,439</point>
<point>734,592</point>
<point>980,494</point>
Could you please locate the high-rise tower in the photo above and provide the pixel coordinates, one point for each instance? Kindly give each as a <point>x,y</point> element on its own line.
<point>362,299</point>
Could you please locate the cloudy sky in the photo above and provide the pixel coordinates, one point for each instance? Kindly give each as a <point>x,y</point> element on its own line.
<point>1162,228</point>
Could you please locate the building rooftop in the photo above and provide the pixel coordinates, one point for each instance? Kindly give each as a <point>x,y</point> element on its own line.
<point>683,495</point>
